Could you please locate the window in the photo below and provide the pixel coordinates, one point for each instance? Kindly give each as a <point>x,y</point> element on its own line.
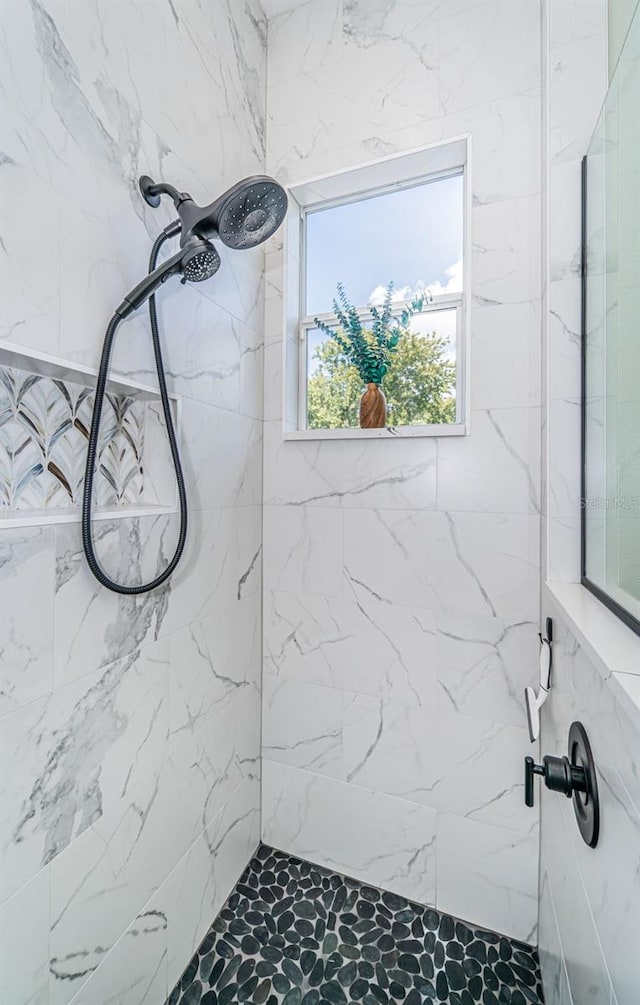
<point>400,222</point>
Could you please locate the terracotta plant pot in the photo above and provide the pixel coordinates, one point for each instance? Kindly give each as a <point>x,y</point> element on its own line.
<point>373,408</point>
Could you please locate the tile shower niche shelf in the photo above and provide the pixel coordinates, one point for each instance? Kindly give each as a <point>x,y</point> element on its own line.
<point>45,411</point>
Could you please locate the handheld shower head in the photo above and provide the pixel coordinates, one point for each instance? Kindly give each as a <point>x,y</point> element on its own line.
<point>200,262</point>
<point>197,261</point>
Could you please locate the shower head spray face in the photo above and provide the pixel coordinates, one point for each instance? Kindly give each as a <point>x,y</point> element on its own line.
<point>250,212</point>
<point>200,262</point>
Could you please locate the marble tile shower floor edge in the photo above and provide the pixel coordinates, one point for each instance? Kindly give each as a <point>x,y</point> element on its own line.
<point>297,934</point>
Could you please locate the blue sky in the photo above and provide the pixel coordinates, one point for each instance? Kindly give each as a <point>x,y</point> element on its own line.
<point>412,236</point>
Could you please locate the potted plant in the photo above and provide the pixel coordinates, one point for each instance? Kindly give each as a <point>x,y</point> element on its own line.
<point>370,350</point>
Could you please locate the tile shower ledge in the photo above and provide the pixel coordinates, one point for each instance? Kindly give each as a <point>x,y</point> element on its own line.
<point>42,517</point>
<point>612,647</point>
<point>45,365</point>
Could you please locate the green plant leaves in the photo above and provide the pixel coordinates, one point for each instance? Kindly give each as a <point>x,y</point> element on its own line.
<point>369,350</point>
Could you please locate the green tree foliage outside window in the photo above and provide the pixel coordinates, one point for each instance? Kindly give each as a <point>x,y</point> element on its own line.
<point>419,385</point>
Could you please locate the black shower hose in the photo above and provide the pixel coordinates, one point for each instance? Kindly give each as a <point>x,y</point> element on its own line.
<point>87,541</point>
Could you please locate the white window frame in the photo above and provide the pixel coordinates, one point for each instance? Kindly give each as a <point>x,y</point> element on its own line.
<point>418,167</point>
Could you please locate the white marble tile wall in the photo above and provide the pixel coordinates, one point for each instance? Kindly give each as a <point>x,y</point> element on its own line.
<point>130,725</point>
<point>401,585</point>
<point>589,926</point>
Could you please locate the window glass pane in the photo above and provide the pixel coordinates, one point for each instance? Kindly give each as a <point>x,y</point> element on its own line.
<point>419,386</point>
<point>412,237</point>
<point>611,344</point>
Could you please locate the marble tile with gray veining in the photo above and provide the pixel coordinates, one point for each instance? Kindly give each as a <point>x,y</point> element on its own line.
<point>482,563</point>
<point>423,756</point>
<point>99,883</point>
<point>27,569</point>
<point>94,627</point>
<point>484,665</point>
<point>302,725</point>
<point>359,645</point>
<point>68,757</point>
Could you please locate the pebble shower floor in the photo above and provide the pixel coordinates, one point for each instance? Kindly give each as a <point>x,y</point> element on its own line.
<point>296,934</point>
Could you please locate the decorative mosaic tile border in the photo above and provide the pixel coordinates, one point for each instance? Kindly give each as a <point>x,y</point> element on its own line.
<point>44,428</point>
<point>295,934</point>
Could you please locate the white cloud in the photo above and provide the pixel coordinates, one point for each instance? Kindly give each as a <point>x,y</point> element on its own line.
<point>452,285</point>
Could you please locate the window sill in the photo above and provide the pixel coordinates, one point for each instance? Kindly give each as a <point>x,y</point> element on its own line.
<point>386,433</point>
<point>612,647</point>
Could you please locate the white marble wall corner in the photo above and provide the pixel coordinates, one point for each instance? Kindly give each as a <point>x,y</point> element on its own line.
<point>24,944</point>
<point>320,24</point>
<point>549,944</point>
<point>222,563</point>
<point>398,474</point>
<point>368,835</point>
<point>363,646</point>
<point>197,888</point>
<point>211,662</point>
<point>489,875</point>
<point>302,725</point>
<point>303,549</point>
<point>27,578</point>
<point>206,768</point>
<point>221,457</point>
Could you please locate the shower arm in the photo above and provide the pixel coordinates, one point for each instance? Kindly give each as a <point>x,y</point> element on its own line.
<point>151,192</point>
<point>192,216</point>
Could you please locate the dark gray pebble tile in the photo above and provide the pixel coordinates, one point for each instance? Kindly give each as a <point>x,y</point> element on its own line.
<point>292,933</point>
